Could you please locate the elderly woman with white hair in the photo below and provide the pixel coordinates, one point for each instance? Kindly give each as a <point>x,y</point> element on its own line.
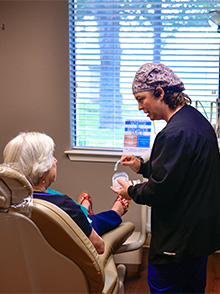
<point>33,153</point>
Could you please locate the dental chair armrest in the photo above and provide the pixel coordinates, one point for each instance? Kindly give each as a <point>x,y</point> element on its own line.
<point>115,238</point>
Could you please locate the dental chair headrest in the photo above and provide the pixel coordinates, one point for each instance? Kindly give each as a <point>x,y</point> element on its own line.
<point>15,189</point>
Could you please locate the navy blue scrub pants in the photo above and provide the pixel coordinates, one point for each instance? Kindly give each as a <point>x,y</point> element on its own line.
<point>105,221</point>
<point>188,276</point>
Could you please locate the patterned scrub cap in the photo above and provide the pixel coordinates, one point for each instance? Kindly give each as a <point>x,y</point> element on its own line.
<point>153,75</point>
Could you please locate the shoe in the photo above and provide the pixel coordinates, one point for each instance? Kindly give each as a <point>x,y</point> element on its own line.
<point>85,196</point>
<point>124,202</point>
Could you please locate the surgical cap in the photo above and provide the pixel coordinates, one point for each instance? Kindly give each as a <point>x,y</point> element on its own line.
<point>153,75</point>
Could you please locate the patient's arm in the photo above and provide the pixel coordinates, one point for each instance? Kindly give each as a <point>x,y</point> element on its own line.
<point>97,242</point>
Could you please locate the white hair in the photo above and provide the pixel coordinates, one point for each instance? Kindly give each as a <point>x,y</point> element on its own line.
<point>33,152</point>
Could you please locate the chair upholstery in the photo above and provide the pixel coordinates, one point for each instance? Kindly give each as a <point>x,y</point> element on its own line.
<point>29,264</point>
<point>49,253</point>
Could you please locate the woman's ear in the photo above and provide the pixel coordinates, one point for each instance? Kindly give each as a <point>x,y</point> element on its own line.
<point>158,92</point>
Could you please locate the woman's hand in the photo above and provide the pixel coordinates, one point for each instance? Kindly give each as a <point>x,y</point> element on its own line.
<point>123,191</point>
<point>131,161</point>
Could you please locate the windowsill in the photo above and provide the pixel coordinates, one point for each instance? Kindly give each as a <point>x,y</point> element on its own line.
<point>100,155</point>
<point>94,155</point>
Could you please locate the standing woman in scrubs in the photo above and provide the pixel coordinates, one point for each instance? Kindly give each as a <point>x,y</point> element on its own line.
<point>183,187</point>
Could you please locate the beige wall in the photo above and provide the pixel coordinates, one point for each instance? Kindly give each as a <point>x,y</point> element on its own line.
<point>34,83</point>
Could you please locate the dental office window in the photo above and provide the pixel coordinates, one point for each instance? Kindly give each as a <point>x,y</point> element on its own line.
<point>111,39</point>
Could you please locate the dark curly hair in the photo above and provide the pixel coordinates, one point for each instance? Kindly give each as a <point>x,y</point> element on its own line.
<point>174,97</point>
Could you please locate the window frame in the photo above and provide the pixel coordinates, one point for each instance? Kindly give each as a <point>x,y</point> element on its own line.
<point>78,153</point>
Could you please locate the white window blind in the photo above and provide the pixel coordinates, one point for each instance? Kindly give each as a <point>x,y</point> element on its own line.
<point>109,41</point>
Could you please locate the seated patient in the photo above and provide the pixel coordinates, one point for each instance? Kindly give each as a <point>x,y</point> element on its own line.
<point>33,153</point>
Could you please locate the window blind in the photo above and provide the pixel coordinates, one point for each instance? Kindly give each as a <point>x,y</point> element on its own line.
<point>110,40</point>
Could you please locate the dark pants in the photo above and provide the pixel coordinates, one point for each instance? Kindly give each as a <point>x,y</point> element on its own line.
<point>188,276</point>
<point>105,221</point>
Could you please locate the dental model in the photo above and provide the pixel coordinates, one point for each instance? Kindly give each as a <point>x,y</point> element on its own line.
<point>123,176</point>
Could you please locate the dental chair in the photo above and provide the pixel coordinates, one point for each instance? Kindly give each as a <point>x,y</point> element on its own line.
<point>42,250</point>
